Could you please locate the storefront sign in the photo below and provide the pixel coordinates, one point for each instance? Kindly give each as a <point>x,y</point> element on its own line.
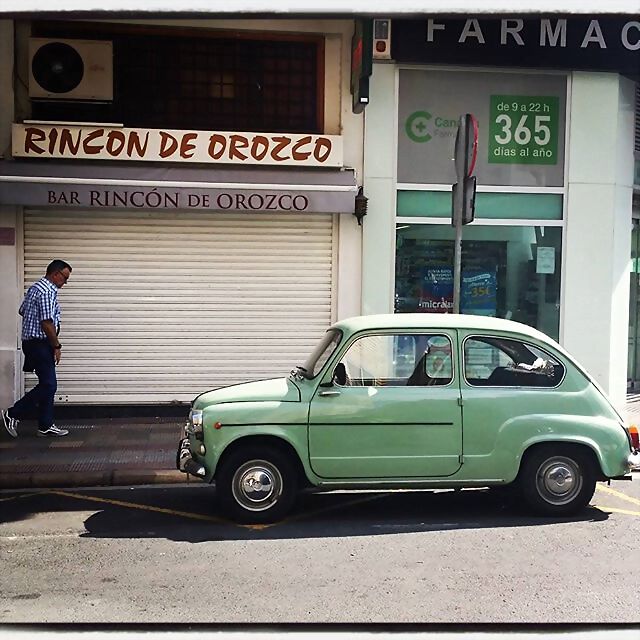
<point>156,145</point>
<point>521,120</point>
<point>523,130</point>
<point>87,197</point>
<point>179,187</point>
<point>436,294</point>
<point>173,199</point>
<point>478,292</point>
<point>604,44</point>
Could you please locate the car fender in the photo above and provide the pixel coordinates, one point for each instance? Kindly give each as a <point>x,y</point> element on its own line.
<point>294,437</point>
<point>601,435</point>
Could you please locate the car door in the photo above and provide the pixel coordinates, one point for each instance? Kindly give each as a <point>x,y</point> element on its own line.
<point>505,381</point>
<point>393,412</point>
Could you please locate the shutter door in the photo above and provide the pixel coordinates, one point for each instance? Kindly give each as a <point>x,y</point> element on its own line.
<point>164,305</point>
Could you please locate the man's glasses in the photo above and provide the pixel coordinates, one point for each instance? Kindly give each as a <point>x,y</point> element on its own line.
<point>63,275</point>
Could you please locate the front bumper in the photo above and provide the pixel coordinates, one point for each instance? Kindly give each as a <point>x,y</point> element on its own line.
<point>185,461</point>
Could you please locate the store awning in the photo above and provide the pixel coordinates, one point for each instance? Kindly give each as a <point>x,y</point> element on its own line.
<point>99,185</point>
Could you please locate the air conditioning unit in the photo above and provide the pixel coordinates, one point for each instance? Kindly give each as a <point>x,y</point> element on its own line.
<point>70,69</point>
<point>381,39</point>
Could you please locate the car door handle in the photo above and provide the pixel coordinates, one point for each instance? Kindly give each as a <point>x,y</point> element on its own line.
<point>329,393</point>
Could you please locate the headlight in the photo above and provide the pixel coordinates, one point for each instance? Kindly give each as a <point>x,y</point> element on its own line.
<point>196,417</point>
<point>194,426</point>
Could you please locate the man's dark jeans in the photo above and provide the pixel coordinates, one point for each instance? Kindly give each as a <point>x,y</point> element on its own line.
<point>39,355</point>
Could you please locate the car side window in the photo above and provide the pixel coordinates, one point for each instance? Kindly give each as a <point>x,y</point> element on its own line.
<point>399,360</point>
<point>503,362</point>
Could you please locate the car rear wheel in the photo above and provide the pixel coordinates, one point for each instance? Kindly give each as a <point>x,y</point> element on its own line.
<point>557,480</point>
<point>257,485</point>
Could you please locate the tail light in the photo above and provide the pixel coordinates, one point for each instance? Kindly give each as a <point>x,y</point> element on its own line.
<point>633,436</point>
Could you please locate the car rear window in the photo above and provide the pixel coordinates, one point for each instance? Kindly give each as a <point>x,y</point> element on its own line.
<point>505,362</point>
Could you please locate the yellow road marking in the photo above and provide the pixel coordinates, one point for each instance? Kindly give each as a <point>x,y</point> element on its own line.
<point>613,492</point>
<point>301,516</point>
<point>144,507</point>
<point>205,518</point>
<point>307,514</point>
<point>23,495</point>
<point>629,513</point>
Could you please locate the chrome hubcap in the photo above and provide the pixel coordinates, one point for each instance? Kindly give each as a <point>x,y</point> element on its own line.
<point>257,485</point>
<point>559,480</point>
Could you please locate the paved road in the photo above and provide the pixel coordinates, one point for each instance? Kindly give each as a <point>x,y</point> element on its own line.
<point>164,554</point>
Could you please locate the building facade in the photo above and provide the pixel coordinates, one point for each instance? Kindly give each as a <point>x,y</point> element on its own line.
<point>199,176</point>
<point>554,99</point>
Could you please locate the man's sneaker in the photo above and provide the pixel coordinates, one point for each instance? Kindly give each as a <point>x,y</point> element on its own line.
<point>52,431</point>
<point>10,424</point>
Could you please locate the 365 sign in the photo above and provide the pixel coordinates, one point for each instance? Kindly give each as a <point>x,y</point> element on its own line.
<point>523,129</point>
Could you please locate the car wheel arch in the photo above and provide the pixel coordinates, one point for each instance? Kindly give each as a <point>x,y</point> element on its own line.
<point>558,478</point>
<point>586,448</point>
<point>267,441</point>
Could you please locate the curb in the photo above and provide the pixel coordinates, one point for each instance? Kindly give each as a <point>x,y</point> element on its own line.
<point>116,478</point>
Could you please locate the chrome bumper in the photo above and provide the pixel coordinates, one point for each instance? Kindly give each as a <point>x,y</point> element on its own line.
<point>185,461</point>
<point>633,461</point>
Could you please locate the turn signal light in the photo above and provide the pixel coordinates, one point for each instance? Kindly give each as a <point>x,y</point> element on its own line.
<point>633,434</point>
<point>217,425</point>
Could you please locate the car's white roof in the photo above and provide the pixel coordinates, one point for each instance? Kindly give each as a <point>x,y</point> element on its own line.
<point>438,321</point>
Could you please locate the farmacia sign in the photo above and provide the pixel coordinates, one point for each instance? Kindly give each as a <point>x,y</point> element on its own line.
<point>606,44</point>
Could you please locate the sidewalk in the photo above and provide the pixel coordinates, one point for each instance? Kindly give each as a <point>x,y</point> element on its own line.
<point>97,452</point>
<point>112,452</point>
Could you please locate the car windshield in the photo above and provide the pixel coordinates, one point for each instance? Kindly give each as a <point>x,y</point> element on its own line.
<point>323,351</point>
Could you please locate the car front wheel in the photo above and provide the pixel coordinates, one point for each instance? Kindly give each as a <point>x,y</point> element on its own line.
<point>557,480</point>
<point>257,485</point>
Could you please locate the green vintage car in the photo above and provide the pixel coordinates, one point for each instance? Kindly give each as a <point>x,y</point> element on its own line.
<point>412,401</point>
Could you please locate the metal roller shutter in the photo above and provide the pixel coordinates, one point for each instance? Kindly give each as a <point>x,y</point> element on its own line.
<point>164,305</point>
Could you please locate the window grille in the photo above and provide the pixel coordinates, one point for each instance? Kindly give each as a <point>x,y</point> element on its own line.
<point>215,82</point>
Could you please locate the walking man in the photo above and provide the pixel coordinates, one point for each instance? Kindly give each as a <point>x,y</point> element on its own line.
<point>40,313</point>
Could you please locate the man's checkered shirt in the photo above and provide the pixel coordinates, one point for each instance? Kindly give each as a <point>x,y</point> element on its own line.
<point>40,303</point>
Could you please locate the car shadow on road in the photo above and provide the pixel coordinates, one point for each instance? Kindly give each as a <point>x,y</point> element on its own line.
<point>194,516</point>
<point>334,515</point>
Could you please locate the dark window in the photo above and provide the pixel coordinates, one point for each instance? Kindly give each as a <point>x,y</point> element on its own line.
<point>211,83</point>
<point>502,362</point>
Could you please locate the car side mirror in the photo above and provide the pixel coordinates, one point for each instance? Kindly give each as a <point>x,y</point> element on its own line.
<point>340,374</point>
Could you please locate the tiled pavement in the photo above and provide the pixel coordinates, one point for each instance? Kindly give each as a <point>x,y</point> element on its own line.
<point>96,452</point>
<point>118,451</point>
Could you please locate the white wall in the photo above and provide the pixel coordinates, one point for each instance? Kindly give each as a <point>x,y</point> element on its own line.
<point>598,227</point>
<point>9,283</point>
<point>378,240</point>
<point>349,250</point>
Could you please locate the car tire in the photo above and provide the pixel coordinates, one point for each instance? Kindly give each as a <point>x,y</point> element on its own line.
<point>557,480</point>
<point>257,485</point>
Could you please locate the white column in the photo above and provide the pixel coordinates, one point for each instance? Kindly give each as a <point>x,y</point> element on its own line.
<point>9,281</point>
<point>349,253</point>
<point>598,227</point>
<point>378,236</point>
